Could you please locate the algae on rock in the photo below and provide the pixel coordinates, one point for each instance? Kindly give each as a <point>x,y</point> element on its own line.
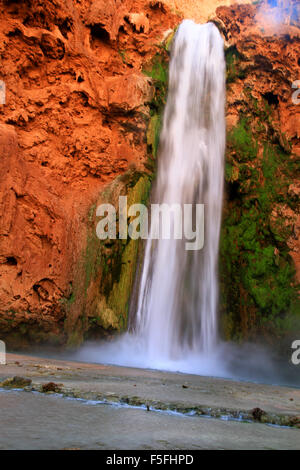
<point>107,268</point>
<point>259,294</point>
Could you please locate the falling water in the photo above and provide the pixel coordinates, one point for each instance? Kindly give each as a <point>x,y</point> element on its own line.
<point>175,320</point>
<point>177,303</point>
<point>175,317</point>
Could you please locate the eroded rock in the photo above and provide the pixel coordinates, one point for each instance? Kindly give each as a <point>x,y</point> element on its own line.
<point>15,382</point>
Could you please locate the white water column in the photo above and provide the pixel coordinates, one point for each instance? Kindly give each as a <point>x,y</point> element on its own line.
<point>178,294</point>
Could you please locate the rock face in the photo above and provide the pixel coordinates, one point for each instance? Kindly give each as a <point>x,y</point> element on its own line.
<point>260,243</point>
<point>75,118</point>
<point>73,133</point>
<point>200,11</point>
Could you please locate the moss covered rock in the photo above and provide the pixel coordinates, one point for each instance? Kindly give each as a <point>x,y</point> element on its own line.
<point>106,270</point>
<point>259,293</point>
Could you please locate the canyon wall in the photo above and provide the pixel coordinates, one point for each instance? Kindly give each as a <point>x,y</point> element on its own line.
<point>75,118</point>
<point>260,239</point>
<point>85,87</point>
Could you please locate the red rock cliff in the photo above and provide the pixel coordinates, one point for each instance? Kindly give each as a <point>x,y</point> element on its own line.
<point>75,117</point>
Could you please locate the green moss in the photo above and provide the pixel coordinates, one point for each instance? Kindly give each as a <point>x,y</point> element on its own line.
<point>106,269</point>
<point>157,69</point>
<point>68,300</point>
<point>153,133</point>
<point>258,289</point>
<point>75,338</point>
<point>169,40</point>
<point>118,298</point>
<point>240,140</point>
<point>124,56</point>
<point>91,213</point>
<point>234,70</point>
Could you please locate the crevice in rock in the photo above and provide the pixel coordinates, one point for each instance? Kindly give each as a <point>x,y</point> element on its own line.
<point>233,191</point>
<point>271,98</point>
<point>11,261</point>
<point>99,33</point>
<point>66,27</point>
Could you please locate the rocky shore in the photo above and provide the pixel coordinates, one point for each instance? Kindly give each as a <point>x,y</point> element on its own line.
<point>57,404</point>
<point>154,390</point>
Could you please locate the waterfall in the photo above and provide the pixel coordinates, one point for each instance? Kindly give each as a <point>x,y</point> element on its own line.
<point>178,293</point>
<point>175,323</point>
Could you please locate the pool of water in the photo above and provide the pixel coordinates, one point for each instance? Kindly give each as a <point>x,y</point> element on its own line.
<point>36,421</point>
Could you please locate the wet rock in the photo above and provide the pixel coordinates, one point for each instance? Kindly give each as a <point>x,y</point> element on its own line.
<point>51,387</point>
<point>295,421</point>
<point>15,382</point>
<point>257,414</point>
